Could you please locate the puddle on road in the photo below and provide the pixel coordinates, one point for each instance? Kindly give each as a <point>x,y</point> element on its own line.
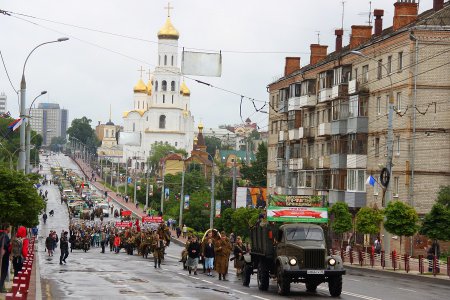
<point>127,292</point>
<point>212,289</point>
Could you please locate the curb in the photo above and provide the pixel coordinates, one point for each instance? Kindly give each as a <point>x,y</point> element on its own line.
<point>409,276</point>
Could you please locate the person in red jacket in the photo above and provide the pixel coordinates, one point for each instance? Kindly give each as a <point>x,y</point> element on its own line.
<point>19,249</point>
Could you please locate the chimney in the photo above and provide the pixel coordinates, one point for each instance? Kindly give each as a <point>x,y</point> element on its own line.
<point>378,13</point>
<point>292,64</point>
<point>318,53</point>
<point>438,4</point>
<point>360,34</point>
<point>339,33</point>
<point>405,13</point>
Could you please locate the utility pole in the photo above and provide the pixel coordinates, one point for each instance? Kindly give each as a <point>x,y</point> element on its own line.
<point>180,221</point>
<point>211,215</point>
<point>126,173</point>
<point>135,185</point>
<point>22,154</point>
<point>117,176</point>
<point>146,189</point>
<point>233,197</point>
<point>112,168</point>
<point>27,146</point>
<point>162,189</point>
<point>286,168</point>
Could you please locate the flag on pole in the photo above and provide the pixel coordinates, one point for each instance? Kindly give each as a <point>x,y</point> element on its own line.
<point>15,124</point>
<point>371,180</point>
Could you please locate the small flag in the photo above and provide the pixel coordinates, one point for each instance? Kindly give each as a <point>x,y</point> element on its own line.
<point>5,115</point>
<point>371,180</point>
<point>15,124</point>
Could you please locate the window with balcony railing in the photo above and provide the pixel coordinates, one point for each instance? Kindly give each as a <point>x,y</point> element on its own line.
<point>280,178</point>
<point>340,109</point>
<point>326,80</point>
<point>294,119</point>
<point>308,87</point>
<point>358,106</point>
<point>280,151</point>
<point>356,181</point>
<point>338,180</point>
<point>339,145</point>
<point>342,75</point>
<point>296,150</point>
<point>323,181</point>
<point>305,179</point>
<point>357,144</point>
<point>294,90</point>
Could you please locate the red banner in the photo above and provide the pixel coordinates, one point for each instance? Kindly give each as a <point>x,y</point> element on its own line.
<point>126,213</point>
<point>124,224</point>
<point>153,219</point>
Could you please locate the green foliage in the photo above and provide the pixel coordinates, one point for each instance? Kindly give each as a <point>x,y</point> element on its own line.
<point>225,221</point>
<point>368,220</point>
<point>342,221</point>
<point>242,219</point>
<point>256,173</point>
<point>20,204</point>
<point>401,219</point>
<point>212,144</point>
<point>81,129</point>
<point>160,151</point>
<point>57,142</point>
<point>436,223</point>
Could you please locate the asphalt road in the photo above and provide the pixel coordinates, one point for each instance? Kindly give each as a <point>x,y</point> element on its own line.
<point>93,275</point>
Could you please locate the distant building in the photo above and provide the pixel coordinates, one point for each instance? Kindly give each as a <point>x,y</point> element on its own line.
<point>3,103</point>
<point>50,121</point>
<point>106,133</point>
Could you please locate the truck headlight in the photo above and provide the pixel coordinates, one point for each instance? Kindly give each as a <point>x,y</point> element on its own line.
<point>293,261</point>
<point>331,261</point>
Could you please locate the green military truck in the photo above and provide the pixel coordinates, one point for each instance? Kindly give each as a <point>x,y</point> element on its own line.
<point>291,252</point>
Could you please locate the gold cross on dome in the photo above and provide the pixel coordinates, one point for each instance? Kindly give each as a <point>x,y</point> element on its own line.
<point>141,70</point>
<point>149,74</point>
<point>168,7</point>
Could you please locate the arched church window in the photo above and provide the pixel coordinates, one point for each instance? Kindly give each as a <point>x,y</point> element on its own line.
<point>164,86</point>
<point>156,86</point>
<point>172,60</point>
<point>165,60</point>
<point>172,86</point>
<point>172,99</point>
<point>134,127</point>
<point>139,104</point>
<point>164,98</point>
<point>162,121</point>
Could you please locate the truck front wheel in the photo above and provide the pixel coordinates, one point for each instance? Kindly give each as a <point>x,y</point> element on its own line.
<point>284,285</point>
<point>246,274</point>
<point>263,276</point>
<point>311,286</point>
<point>335,286</point>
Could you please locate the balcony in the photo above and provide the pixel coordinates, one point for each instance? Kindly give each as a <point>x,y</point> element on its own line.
<point>296,163</point>
<point>303,191</point>
<point>323,162</point>
<point>356,161</point>
<point>353,86</point>
<point>308,100</point>
<point>294,103</point>
<point>281,136</point>
<point>294,134</point>
<point>338,161</point>
<point>324,129</point>
<point>280,163</point>
<point>306,132</point>
<point>336,196</point>
<point>356,199</point>
<point>339,127</point>
<point>340,91</point>
<point>357,125</point>
<point>325,95</point>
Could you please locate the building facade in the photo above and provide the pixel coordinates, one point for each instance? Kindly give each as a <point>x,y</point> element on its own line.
<point>328,120</point>
<point>50,121</point>
<point>3,103</point>
<point>161,109</point>
<point>106,133</point>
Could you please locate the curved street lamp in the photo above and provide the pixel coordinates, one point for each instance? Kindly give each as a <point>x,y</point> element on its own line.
<point>28,136</point>
<point>23,88</point>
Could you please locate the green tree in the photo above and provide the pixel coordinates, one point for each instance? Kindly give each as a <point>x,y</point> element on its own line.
<point>20,204</point>
<point>225,222</point>
<point>256,173</point>
<point>342,221</point>
<point>212,144</point>
<point>160,151</point>
<point>81,129</point>
<point>242,219</point>
<point>435,225</point>
<point>368,220</point>
<point>56,143</point>
<point>401,220</point>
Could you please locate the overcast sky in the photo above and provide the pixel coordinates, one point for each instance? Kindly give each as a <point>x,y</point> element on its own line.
<point>93,70</point>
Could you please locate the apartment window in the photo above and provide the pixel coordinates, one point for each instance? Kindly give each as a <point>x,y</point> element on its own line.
<point>400,61</point>
<point>365,74</point>
<point>356,180</point>
<point>308,179</point>
<point>397,144</point>
<point>357,144</point>
<point>398,101</point>
<point>377,146</point>
<point>378,105</point>
<point>396,186</point>
<point>355,74</point>
<point>164,98</point>
<point>380,69</point>
<point>389,64</point>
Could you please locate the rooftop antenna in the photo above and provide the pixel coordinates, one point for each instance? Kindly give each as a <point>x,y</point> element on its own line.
<point>369,13</point>
<point>318,37</point>
<point>343,10</point>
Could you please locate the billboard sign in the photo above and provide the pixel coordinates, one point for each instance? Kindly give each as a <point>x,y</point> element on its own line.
<point>251,197</point>
<point>305,209</point>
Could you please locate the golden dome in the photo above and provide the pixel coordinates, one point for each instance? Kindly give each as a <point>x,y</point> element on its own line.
<point>168,31</point>
<point>140,87</point>
<point>184,90</point>
<point>149,87</point>
<point>200,126</point>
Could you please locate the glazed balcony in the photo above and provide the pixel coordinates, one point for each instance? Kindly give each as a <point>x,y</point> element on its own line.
<point>324,129</point>
<point>340,90</point>
<point>294,103</point>
<point>325,95</point>
<point>308,100</point>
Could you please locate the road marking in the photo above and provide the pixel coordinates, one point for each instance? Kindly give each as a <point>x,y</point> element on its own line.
<point>258,297</point>
<point>207,281</point>
<point>352,294</point>
<point>244,293</point>
<point>352,279</point>
<point>222,286</point>
<point>407,290</point>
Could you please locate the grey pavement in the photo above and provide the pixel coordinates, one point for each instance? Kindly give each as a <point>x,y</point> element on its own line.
<point>93,275</point>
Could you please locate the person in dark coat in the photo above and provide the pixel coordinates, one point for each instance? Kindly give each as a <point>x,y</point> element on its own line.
<point>64,246</point>
<point>208,253</point>
<point>5,245</point>
<point>239,251</point>
<point>193,255</point>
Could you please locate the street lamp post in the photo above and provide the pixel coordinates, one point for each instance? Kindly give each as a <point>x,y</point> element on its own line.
<point>180,221</point>
<point>211,213</point>
<point>28,135</point>
<point>23,88</point>
<point>390,148</point>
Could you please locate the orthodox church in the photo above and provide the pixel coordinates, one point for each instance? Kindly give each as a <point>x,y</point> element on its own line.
<point>161,108</point>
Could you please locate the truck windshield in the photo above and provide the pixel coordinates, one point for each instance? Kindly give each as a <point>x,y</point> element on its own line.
<point>303,234</point>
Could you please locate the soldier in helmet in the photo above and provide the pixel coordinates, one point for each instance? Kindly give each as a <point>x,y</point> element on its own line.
<point>158,250</point>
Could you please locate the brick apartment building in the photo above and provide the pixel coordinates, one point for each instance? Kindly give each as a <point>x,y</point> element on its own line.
<point>328,120</point>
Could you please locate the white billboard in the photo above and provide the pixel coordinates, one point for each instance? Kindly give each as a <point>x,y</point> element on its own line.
<point>130,138</point>
<point>201,63</point>
<point>241,197</point>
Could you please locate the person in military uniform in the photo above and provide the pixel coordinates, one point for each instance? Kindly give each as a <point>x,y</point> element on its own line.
<point>158,250</point>
<point>222,249</point>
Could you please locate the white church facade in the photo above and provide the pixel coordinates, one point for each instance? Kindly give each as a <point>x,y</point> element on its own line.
<point>161,108</point>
